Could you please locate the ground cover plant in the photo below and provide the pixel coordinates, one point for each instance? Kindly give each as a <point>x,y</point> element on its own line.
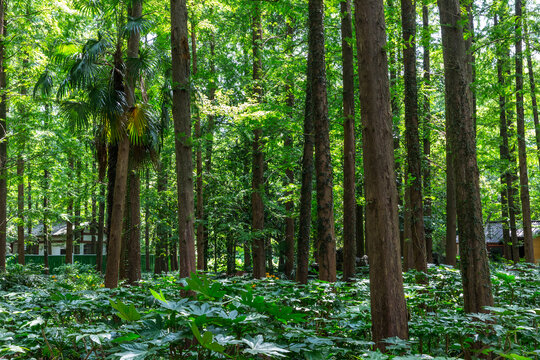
<point>70,315</point>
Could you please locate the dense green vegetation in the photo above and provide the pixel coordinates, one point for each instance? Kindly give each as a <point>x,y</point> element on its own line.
<point>69,315</point>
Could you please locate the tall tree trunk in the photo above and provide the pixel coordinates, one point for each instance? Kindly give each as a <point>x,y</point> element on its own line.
<point>349,147</point>
<point>134,233</point>
<point>160,260</point>
<point>289,173</point>
<point>304,231</point>
<point>474,263</point>
<point>69,222</point>
<point>323,164</point>
<point>360,238</point>
<point>119,190</point>
<point>101,159</point>
<point>522,146</point>
<point>471,60</point>
<point>257,185</point>
<point>20,209</point>
<point>45,221</point>
<point>147,225</point>
<point>199,184</point>
<point>388,309</point>
<point>426,176</point>
<point>451,212</point>
<point>506,176</point>
<point>532,83</point>
<point>182,131</point>
<point>3,139</point>
<point>414,154</point>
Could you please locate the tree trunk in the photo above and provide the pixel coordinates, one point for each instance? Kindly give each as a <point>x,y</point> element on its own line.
<point>45,222</point>
<point>101,228</point>
<point>304,231</point>
<point>3,140</point>
<point>134,233</point>
<point>160,260</point>
<point>323,164</point>
<point>69,222</point>
<point>360,238</point>
<point>451,215</point>
<point>257,185</point>
<point>459,109</point>
<point>532,83</point>
<point>349,147</point>
<point>20,209</point>
<point>388,309</point>
<point>147,225</point>
<point>182,131</point>
<point>426,39</point>
<point>199,183</point>
<point>414,154</point>
<point>522,146</point>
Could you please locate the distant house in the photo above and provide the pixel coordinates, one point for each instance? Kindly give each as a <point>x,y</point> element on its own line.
<point>493,231</point>
<point>57,241</point>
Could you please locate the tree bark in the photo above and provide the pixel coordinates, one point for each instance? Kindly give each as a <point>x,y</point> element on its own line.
<point>532,84</point>
<point>522,146</point>
<point>349,147</point>
<point>147,225</point>
<point>414,154</point>
<point>20,209</point>
<point>304,231</point>
<point>451,212</point>
<point>323,163</point>
<point>257,185</point>
<point>160,261</point>
<point>388,309</point>
<point>69,222</point>
<point>3,139</point>
<point>459,109</point>
<point>134,233</point>
<point>45,222</point>
<point>182,131</point>
<point>426,176</point>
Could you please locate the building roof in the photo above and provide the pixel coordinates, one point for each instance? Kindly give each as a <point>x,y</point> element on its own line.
<point>493,231</point>
<point>59,229</point>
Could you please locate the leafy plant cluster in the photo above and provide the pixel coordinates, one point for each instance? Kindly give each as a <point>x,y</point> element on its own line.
<point>69,315</point>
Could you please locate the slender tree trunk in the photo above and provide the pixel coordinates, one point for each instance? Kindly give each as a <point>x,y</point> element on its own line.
<point>360,238</point>
<point>532,83</point>
<point>451,214</point>
<point>414,154</point>
<point>101,230</point>
<point>388,309</point>
<point>323,164</point>
<point>426,39</point>
<point>3,139</point>
<point>147,225</point>
<point>134,233</point>
<point>408,247</point>
<point>20,209</point>
<point>160,260</point>
<point>257,206</point>
<point>304,231</point>
<point>349,147</point>
<point>522,146</point>
<point>69,222</point>
<point>45,221</point>
<point>459,109</point>
<point>199,183</point>
<point>471,61</point>
<point>182,131</point>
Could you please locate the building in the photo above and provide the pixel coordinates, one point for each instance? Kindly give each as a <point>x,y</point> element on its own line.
<point>57,241</point>
<point>493,231</point>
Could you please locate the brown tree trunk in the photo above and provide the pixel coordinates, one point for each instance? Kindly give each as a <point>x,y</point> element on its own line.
<point>388,309</point>
<point>426,39</point>
<point>3,140</point>
<point>459,109</point>
<point>451,215</point>
<point>323,164</point>
<point>414,154</point>
<point>45,222</point>
<point>349,147</point>
<point>134,233</point>
<point>360,238</point>
<point>408,247</point>
<point>304,231</point>
<point>522,146</point>
<point>506,177</point>
<point>160,260</point>
<point>101,154</point>
<point>199,183</point>
<point>532,83</point>
<point>147,225</point>
<point>182,131</point>
<point>20,209</point>
<point>257,185</point>
<point>69,222</point>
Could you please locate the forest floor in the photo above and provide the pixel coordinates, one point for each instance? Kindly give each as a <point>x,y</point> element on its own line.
<point>70,315</point>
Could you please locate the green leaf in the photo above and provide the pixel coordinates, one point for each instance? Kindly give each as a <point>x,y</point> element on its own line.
<point>257,346</point>
<point>126,312</point>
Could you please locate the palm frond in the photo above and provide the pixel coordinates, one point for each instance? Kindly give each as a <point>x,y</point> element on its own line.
<point>137,25</point>
<point>78,113</point>
<point>44,85</point>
